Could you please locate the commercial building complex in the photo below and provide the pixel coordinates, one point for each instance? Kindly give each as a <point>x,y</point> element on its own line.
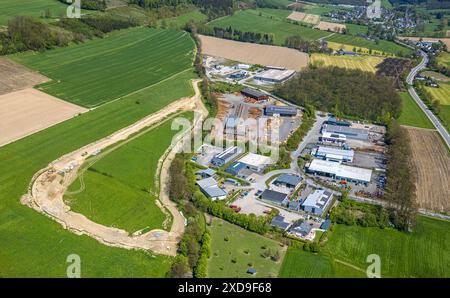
<point>339,171</point>
<point>283,111</point>
<point>211,189</point>
<point>256,162</point>
<point>317,202</point>
<point>333,154</point>
<point>274,76</point>
<point>349,132</point>
<point>226,156</point>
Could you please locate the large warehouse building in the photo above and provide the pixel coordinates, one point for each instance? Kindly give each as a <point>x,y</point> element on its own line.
<point>349,132</point>
<point>256,162</point>
<point>226,156</point>
<point>339,171</point>
<point>283,111</point>
<point>274,76</point>
<point>255,94</point>
<point>333,154</point>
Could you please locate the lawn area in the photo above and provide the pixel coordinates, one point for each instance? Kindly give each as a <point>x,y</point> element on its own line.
<point>239,242</point>
<point>444,59</point>
<point>441,94</point>
<point>99,70</point>
<point>120,188</point>
<point>299,263</point>
<point>249,20</point>
<point>355,41</point>
<point>11,8</point>
<point>181,20</point>
<point>364,63</point>
<point>34,245</point>
<point>354,29</point>
<point>423,253</point>
<point>411,114</point>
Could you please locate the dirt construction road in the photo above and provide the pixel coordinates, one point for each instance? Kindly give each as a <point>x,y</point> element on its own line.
<point>48,186</point>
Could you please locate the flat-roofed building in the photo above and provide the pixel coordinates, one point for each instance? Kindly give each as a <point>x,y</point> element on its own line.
<point>283,111</point>
<point>287,180</point>
<point>333,154</point>
<point>274,76</point>
<point>332,138</point>
<point>318,202</point>
<point>226,156</point>
<point>255,94</point>
<point>274,197</point>
<point>211,189</point>
<point>256,162</point>
<point>339,171</point>
<point>349,132</point>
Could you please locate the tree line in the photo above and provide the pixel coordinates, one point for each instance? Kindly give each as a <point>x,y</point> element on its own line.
<point>401,185</point>
<point>91,4</point>
<point>346,93</point>
<point>26,33</point>
<point>237,35</point>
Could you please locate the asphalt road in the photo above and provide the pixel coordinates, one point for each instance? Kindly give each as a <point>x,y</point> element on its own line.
<point>439,127</point>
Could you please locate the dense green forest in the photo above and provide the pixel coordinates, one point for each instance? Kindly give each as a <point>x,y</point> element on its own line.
<point>351,93</point>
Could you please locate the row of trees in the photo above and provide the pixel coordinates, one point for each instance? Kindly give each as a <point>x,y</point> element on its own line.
<point>307,46</point>
<point>344,92</point>
<point>233,34</point>
<point>400,186</point>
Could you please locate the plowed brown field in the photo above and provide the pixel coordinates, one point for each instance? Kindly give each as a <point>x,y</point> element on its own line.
<point>432,162</point>
<point>254,53</point>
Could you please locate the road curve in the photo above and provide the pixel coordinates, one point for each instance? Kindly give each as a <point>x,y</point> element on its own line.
<point>410,80</point>
<point>48,186</point>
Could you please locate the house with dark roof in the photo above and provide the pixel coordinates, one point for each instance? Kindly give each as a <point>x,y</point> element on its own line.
<point>287,180</point>
<point>206,173</point>
<point>211,189</point>
<point>278,221</point>
<point>301,230</point>
<point>255,94</point>
<point>274,197</point>
<point>294,205</point>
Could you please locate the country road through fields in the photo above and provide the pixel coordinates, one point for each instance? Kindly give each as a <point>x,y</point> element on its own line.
<point>440,128</point>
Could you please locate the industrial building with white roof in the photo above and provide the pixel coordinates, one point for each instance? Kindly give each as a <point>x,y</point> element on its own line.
<point>339,171</point>
<point>256,162</point>
<point>334,154</point>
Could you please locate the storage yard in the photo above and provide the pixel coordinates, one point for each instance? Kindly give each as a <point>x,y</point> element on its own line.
<point>254,53</point>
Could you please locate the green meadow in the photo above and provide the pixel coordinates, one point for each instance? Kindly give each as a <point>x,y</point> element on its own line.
<point>411,114</point>
<point>34,245</point>
<point>120,188</point>
<point>250,20</point>
<point>422,253</point>
<point>36,8</point>
<point>234,250</point>
<point>122,63</point>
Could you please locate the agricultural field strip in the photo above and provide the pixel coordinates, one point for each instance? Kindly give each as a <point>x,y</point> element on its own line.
<point>79,82</point>
<point>46,192</point>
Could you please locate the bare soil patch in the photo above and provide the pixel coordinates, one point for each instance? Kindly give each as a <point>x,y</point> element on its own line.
<point>328,26</point>
<point>14,77</point>
<point>304,17</point>
<point>254,53</point>
<point>311,18</point>
<point>297,16</point>
<point>27,111</point>
<point>432,163</point>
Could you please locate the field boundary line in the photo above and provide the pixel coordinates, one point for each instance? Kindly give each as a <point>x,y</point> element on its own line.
<point>105,102</point>
<point>349,265</point>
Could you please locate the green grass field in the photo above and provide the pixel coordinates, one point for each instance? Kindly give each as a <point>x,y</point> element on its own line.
<point>411,114</point>
<point>249,20</point>
<point>355,41</point>
<point>11,8</point>
<point>444,59</point>
<point>102,70</point>
<point>120,187</point>
<point>423,253</point>
<point>354,29</point>
<point>181,20</point>
<point>441,94</point>
<point>240,241</point>
<point>34,245</point>
<point>364,63</point>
